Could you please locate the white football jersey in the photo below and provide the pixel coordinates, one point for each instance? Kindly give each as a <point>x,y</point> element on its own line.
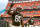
<point>17,18</point>
<point>31,21</point>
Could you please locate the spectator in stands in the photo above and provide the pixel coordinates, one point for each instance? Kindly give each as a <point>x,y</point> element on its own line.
<point>25,24</point>
<point>2,22</point>
<point>31,22</point>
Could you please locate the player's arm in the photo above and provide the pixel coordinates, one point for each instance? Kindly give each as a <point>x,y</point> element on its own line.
<point>9,11</point>
<point>22,22</point>
<point>33,21</point>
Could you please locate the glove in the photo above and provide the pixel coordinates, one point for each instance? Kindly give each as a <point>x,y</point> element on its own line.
<point>12,5</point>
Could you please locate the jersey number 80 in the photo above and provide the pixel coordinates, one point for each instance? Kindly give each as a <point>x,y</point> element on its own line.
<point>17,18</point>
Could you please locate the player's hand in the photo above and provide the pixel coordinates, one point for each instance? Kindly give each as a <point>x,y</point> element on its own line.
<point>12,5</point>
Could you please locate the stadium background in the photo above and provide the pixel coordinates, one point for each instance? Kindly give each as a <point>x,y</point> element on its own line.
<point>30,8</point>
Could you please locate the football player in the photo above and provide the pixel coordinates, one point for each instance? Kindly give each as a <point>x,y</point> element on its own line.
<point>17,18</point>
<point>31,22</point>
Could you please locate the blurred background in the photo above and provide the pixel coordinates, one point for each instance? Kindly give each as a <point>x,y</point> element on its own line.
<point>30,8</point>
